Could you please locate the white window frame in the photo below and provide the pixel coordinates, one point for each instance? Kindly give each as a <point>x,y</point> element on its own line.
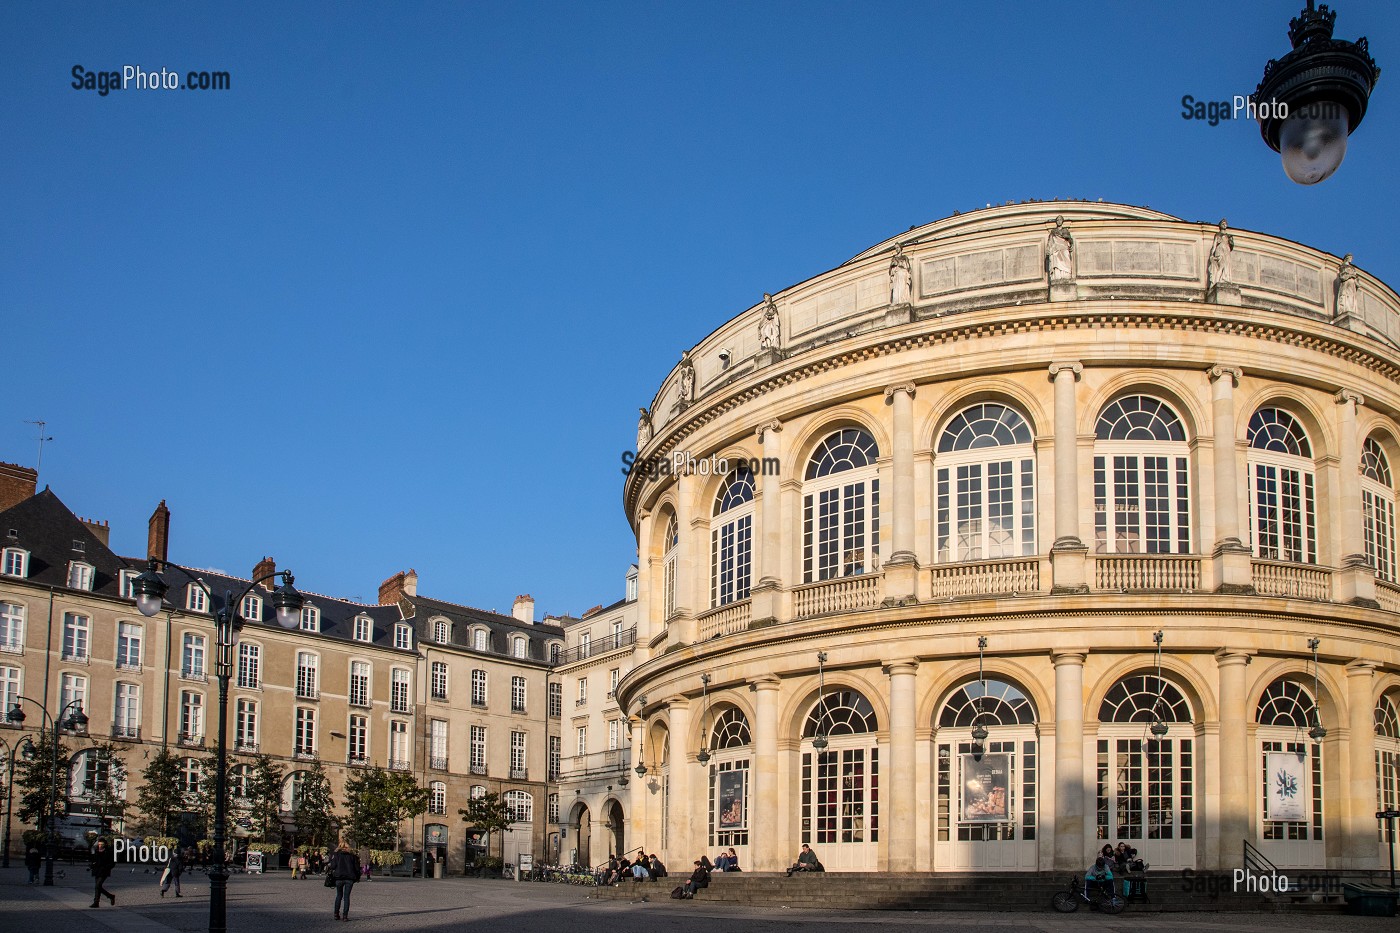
<point>193,656</point>
<point>399,752</point>
<point>130,642</point>
<point>11,686</point>
<point>965,528</point>
<point>439,680</point>
<point>310,619</point>
<point>245,723</point>
<point>581,738</point>
<point>518,647</point>
<point>308,675</point>
<point>481,640</point>
<point>358,745</point>
<point>442,631</point>
<point>77,636</point>
<point>1378,511</point>
<point>16,562</point>
<point>517,694</point>
<point>304,734</point>
<point>403,636</point>
<point>480,692</point>
<point>72,686</point>
<point>251,608</point>
<point>191,715</point>
<point>12,619</point>
<point>437,798</point>
<point>196,600</point>
<point>477,736</point>
<point>80,574</point>
<point>842,486</point>
<point>249,665</point>
<point>361,679</point>
<point>1282,469</point>
<point>126,709</point>
<point>518,752</point>
<point>126,581</point>
<point>400,690</point>
<point>364,629</point>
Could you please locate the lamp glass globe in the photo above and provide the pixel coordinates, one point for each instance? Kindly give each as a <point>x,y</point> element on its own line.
<point>1313,141</point>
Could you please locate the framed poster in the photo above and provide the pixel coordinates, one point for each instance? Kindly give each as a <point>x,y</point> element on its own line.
<point>1286,785</point>
<point>985,788</point>
<point>732,805</point>
<point>255,865</point>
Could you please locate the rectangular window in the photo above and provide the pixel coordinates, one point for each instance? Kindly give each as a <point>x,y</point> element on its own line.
<point>398,745</point>
<point>11,628</point>
<point>306,675</point>
<point>75,637</point>
<point>556,699</point>
<point>358,752</point>
<point>398,690</point>
<point>478,749</point>
<point>305,740</point>
<point>16,562</point>
<point>192,657</point>
<point>614,676</point>
<point>127,583</point>
<point>310,619</point>
<point>126,711</point>
<point>585,645</point>
<point>249,665</point>
<point>517,755</point>
<point>196,600</point>
<point>613,725</point>
<point>582,735</point>
<point>437,744</point>
<point>79,576</point>
<point>439,681</point>
<point>517,694</point>
<point>128,646</point>
<point>245,725</point>
<point>71,687</point>
<point>582,691</point>
<point>252,608</point>
<point>403,637</point>
<point>191,717</point>
<point>364,628</point>
<point>554,753</point>
<point>478,688</point>
<point>359,683</point>
<point>9,687</point>
<point>554,808</point>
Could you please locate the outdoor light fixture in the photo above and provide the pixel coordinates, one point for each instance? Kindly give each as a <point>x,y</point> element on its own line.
<point>1159,726</point>
<point>1312,98</point>
<point>979,731</point>
<point>1318,732</point>
<point>75,722</point>
<point>704,756</point>
<point>819,742</point>
<point>641,768</point>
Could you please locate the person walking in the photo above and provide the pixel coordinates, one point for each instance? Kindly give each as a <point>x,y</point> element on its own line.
<point>345,869</point>
<point>102,863</point>
<point>174,868</point>
<point>32,861</point>
<point>296,867</point>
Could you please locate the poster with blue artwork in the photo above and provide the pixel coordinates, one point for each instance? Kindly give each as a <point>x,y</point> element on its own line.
<point>1287,786</point>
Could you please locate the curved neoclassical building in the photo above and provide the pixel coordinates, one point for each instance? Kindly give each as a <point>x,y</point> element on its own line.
<point>973,476</point>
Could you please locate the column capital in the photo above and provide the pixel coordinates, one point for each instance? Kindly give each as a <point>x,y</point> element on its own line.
<point>1218,371</point>
<point>775,426</point>
<point>678,703</point>
<point>1073,656</point>
<point>1227,657</point>
<point>1362,667</point>
<point>1344,396</point>
<point>902,387</point>
<point>766,683</point>
<point>901,666</point>
<point>1072,366</point>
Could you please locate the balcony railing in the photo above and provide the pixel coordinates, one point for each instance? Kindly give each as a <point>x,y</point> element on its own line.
<point>478,769</point>
<point>610,762</point>
<point>1388,595</point>
<point>357,761</point>
<point>400,705</point>
<point>438,763</point>
<point>196,674</point>
<point>986,578</point>
<point>125,733</point>
<point>11,647</point>
<point>724,620</point>
<point>361,701</point>
<point>844,594</point>
<point>307,693</point>
<point>478,703</point>
<point>1130,573</point>
<point>398,764</point>
<point>75,657</point>
<point>581,701</point>
<point>520,774</point>
<point>245,745</point>
<point>517,708</point>
<point>189,740</point>
<point>439,694</point>
<point>1296,581</point>
<point>126,665</point>
<point>624,639</point>
<point>304,754</point>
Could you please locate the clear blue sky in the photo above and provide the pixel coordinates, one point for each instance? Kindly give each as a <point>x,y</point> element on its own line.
<point>394,298</point>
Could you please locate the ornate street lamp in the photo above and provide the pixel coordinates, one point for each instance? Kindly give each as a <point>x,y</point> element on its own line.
<point>150,591</point>
<point>1159,725</point>
<point>75,723</point>
<point>1312,98</point>
<point>641,768</point>
<point>26,749</point>
<point>819,742</point>
<point>704,756</point>
<point>979,731</point>
<point>1318,732</point>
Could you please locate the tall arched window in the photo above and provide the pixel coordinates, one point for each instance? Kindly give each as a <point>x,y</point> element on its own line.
<point>521,806</point>
<point>1282,500</point>
<point>841,508</point>
<point>731,539</point>
<point>1290,776</point>
<point>671,548</point>
<point>985,486</point>
<point>995,704</point>
<point>1387,758</point>
<point>1141,479</point>
<point>731,730</point>
<point>729,779</point>
<point>437,797</point>
<point>840,782</point>
<point>1378,509</point>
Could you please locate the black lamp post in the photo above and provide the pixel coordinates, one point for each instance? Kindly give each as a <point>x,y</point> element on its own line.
<point>1312,98</point>
<point>704,756</point>
<point>150,591</point>
<point>27,749</point>
<point>819,742</point>
<point>77,723</point>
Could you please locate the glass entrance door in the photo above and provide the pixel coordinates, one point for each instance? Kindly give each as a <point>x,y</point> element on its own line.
<point>1146,798</point>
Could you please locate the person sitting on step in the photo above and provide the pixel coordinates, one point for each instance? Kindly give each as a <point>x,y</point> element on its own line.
<point>806,861</point>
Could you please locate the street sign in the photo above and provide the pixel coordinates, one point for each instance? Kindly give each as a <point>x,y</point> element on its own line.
<point>1387,814</point>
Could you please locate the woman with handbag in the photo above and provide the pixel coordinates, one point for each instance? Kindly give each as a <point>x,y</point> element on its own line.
<point>342,873</point>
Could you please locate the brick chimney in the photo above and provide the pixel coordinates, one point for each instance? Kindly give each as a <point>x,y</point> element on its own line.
<point>158,533</point>
<point>524,609</point>
<point>101,530</point>
<point>265,567</point>
<point>404,583</point>
<point>17,483</point>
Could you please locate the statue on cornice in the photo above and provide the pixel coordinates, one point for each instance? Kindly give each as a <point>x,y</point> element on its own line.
<point>770,329</point>
<point>643,428</point>
<point>1059,253</point>
<point>1218,265</point>
<point>901,277</point>
<point>687,378</point>
<point>1347,283</point>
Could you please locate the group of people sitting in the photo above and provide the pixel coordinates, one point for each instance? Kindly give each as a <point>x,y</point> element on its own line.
<point>1121,862</point>
<point>643,868</point>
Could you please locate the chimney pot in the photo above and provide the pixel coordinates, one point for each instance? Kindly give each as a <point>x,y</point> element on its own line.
<point>265,566</point>
<point>158,533</point>
<point>524,609</point>
<point>17,483</point>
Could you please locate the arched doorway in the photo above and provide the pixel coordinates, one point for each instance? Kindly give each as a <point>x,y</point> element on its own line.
<point>1290,762</point>
<point>986,791</point>
<point>1146,782</point>
<point>841,782</point>
<point>581,826</point>
<point>728,800</point>
<point>614,827</point>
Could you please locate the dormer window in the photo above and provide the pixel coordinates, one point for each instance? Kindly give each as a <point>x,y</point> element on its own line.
<point>517,647</point>
<point>480,639</point>
<point>364,628</point>
<point>79,575</point>
<point>440,631</point>
<point>403,636</point>
<point>127,578</point>
<point>310,619</point>
<point>196,600</point>
<point>79,546</point>
<point>252,608</point>
<point>16,563</point>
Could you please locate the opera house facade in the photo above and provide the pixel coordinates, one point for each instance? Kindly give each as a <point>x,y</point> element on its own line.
<point>1034,528</point>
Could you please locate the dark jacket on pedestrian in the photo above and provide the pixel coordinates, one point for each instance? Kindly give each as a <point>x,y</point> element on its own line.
<point>102,862</point>
<point>32,860</point>
<point>345,866</point>
<point>176,863</point>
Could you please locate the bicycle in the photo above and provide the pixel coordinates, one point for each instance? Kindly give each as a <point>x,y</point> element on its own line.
<point>1068,901</point>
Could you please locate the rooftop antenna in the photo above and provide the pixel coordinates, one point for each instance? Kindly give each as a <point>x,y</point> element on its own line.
<point>40,464</point>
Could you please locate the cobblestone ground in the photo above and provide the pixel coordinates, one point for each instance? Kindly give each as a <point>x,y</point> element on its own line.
<point>276,904</point>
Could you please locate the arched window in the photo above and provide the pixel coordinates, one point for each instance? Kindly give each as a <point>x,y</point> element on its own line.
<point>671,548</point>
<point>1290,775</point>
<point>1146,778</point>
<point>844,712</point>
<point>440,631</point>
<point>1144,698</point>
<point>985,486</point>
<point>731,730</point>
<point>841,508</point>
<point>97,774</point>
<point>1282,500</point>
<point>1000,704</point>
<point>1141,479</point>
<point>293,789</point>
<point>521,806</point>
<point>480,640</point>
<point>1387,757</point>
<point>731,539</point>
<point>437,797</point>
<point>517,647</point>
<point>1285,703</point>
<point>1378,509</point>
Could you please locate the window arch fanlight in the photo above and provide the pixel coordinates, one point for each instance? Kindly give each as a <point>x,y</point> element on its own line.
<point>1135,699</point>
<point>1285,703</point>
<point>1142,491</point>
<point>1282,491</point>
<point>670,549</point>
<point>521,806</point>
<point>1000,704</point>
<point>731,730</point>
<point>731,539</point>
<point>841,507</point>
<point>293,789</point>
<point>1378,509</point>
<point>985,486</point>
<point>844,712</point>
<point>1387,719</point>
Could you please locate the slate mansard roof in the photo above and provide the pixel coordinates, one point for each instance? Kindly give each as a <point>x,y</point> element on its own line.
<point>464,619</point>
<point>51,533</point>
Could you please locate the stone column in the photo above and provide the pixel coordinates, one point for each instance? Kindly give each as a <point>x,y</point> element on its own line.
<point>678,841</point>
<point>899,779</point>
<point>766,849</point>
<point>1356,582</point>
<point>901,569</point>
<point>1235,768</point>
<point>1232,569</point>
<point>682,624</point>
<point>1069,757</point>
<point>646,625</point>
<point>639,833</point>
<point>1360,806</point>
<point>1068,553</point>
<point>767,593</point>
